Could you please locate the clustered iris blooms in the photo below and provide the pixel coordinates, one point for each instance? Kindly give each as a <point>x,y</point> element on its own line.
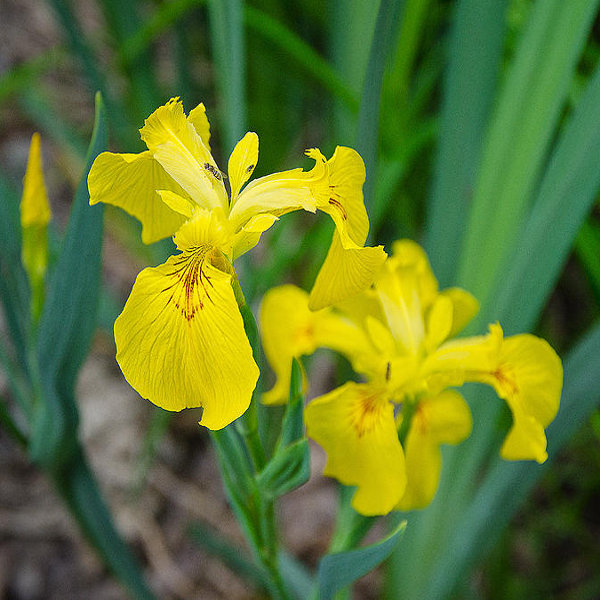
<point>180,338</point>
<point>397,334</point>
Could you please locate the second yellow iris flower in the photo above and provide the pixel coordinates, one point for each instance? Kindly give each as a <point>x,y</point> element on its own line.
<point>383,436</point>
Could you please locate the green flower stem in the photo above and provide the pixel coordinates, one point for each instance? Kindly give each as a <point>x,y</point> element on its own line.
<point>248,423</point>
<point>408,411</point>
<point>255,510</point>
<point>351,527</point>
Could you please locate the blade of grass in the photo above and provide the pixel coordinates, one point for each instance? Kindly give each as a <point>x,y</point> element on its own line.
<point>386,27</point>
<point>302,53</point>
<point>15,80</point>
<point>475,54</point>
<point>162,19</point>
<point>587,247</point>
<point>352,25</point>
<point>521,131</point>
<point>230,554</point>
<point>77,487</point>
<point>89,65</point>
<point>566,196</point>
<point>228,46</point>
<point>122,19</point>
<point>52,125</point>
<point>14,288</point>
<point>10,425</point>
<point>69,318</point>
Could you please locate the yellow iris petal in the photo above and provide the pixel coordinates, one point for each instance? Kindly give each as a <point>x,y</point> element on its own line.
<point>464,308</point>
<point>287,332</point>
<point>524,370</point>
<point>355,426</point>
<point>174,143</point>
<point>35,208</point>
<point>242,162</point>
<point>529,378</point>
<point>130,181</point>
<point>290,330</point>
<point>344,273</point>
<point>276,194</point>
<point>441,419</point>
<point>181,341</point>
<point>199,120</point>
<point>178,203</point>
<point>341,195</point>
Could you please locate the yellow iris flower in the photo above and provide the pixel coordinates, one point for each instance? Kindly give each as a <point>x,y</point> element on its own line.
<point>180,338</point>
<point>397,334</point>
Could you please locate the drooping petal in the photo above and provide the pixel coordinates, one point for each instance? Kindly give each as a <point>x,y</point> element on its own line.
<point>340,194</point>
<point>242,162</point>
<point>130,181</point>
<point>199,120</point>
<point>175,144</point>
<point>524,370</point>
<point>345,273</point>
<point>529,378</point>
<point>290,330</point>
<point>181,341</point>
<point>35,208</point>
<point>441,419</point>
<point>355,426</point>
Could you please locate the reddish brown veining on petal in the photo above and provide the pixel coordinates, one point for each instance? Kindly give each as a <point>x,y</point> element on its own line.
<point>339,206</point>
<point>188,275</point>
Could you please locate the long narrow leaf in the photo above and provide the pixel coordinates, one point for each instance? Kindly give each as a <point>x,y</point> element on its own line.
<point>77,487</point>
<point>68,318</point>
<point>14,289</point>
<point>386,27</point>
<point>471,79</point>
<point>227,39</point>
<point>566,195</point>
<point>520,133</point>
<point>336,571</point>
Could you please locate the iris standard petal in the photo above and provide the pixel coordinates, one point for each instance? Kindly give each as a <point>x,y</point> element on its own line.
<point>199,120</point>
<point>175,144</point>
<point>275,194</point>
<point>355,426</point>
<point>181,341</point>
<point>130,181</point>
<point>242,162</point>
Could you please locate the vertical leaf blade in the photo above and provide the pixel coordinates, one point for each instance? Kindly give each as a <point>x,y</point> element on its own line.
<point>475,53</point>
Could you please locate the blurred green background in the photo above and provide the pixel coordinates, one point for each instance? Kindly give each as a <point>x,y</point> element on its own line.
<point>469,116</point>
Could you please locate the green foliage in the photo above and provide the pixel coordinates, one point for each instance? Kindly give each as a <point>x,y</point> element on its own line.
<point>337,571</point>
